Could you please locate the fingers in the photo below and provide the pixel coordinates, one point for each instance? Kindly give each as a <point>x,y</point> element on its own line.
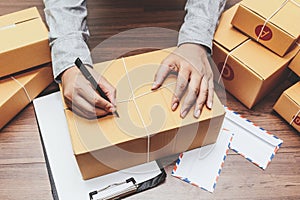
<point>192,94</point>
<point>108,89</point>
<point>83,108</point>
<point>83,99</point>
<point>85,91</point>
<point>161,74</point>
<point>181,84</point>
<point>210,96</point>
<point>201,99</point>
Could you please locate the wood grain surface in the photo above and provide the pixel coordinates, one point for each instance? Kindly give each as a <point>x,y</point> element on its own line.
<point>23,173</point>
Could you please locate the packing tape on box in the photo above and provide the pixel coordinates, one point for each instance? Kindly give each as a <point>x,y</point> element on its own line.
<point>24,89</point>
<point>294,117</point>
<point>274,13</point>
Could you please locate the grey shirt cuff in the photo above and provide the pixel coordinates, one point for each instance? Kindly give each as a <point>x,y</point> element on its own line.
<point>197,31</point>
<point>64,52</point>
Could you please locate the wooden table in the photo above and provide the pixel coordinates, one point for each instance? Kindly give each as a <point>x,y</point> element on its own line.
<point>23,173</point>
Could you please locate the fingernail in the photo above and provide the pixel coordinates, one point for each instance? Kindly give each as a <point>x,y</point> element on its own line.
<point>154,85</point>
<point>110,108</point>
<point>183,114</point>
<point>174,106</point>
<point>209,105</point>
<point>197,113</point>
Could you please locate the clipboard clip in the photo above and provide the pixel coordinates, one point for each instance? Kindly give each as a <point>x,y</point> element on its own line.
<point>117,195</point>
<point>132,189</point>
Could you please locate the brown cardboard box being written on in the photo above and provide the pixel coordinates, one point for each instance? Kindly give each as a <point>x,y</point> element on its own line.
<point>250,70</point>
<point>24,41</point>
<point>288,106</point>
<point>295,64</point>
<point>17,91</point>
<point>280,33</point>
<point>147,128</point>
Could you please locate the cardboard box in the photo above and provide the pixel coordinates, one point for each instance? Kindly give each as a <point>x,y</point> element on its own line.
<point>13,97</point>
<point>108,144</point>
<point>280,33</point>
<point>251,71</point>
<point>295,64</point>
<point>288,106</point>
<point>24,41</point>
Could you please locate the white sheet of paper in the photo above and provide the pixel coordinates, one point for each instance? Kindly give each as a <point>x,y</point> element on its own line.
<point>202,167</point>
<point>65,171</point>
<point>251,141</point>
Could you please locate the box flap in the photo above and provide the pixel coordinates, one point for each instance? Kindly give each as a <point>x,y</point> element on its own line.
<point>262,61</point>
<point>294,93</point>
<point>19,17</point>
<point>226,35</point>
<point>32,31</point>
<point>284,19</point>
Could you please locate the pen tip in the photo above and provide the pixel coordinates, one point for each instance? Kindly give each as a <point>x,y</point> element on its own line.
<point>116,114</point>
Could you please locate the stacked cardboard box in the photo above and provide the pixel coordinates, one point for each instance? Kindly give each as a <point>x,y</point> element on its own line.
<point>147,128</point>
<point>295,64</point>
<point>24,45</point>
<point>270,22</point>
<point>17,91</point>
<point>24,41</point>
<point>288,106</point>
<point>249,70</point>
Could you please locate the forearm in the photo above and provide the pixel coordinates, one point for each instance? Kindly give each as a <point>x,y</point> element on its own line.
<point>200,22</point>
<point>68,33</point>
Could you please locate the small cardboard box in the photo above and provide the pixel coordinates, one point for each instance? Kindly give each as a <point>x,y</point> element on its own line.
<point>17,91</point>
<point>295,64</point>
<point>280,33</point>
<point>250,70</point>
<point>288,106</point>
<point>147,128</point>
<point>24,41</point>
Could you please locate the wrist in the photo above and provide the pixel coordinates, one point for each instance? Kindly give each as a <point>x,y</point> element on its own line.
<point>195,46</point>
<point>66,72</point>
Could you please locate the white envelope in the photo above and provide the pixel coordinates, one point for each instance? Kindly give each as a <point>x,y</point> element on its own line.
<point>252,142</point>
<point>202,167</point>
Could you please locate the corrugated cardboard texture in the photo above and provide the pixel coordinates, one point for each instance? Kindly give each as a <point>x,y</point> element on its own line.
<point>13,97</point>
<point>24,41</point>
<point>295,64</point>
<point>288,105</point>
<point>280,34</point>
<point>109,143</point>
<point>251,70</point>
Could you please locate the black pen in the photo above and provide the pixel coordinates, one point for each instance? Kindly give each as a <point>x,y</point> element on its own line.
<point>91,79</point>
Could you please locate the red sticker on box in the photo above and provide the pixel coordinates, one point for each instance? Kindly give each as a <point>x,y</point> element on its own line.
<point>266,32</point>
<point>297,121</point>
<point>228,73</point>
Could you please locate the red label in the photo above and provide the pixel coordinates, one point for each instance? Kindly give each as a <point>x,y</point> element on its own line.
<point>297,121</point>
<point>228,73</point>
<point>266,33</point>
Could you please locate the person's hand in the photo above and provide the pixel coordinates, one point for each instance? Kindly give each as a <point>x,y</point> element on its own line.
<point>82,98</point>
<point>194,73</point>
